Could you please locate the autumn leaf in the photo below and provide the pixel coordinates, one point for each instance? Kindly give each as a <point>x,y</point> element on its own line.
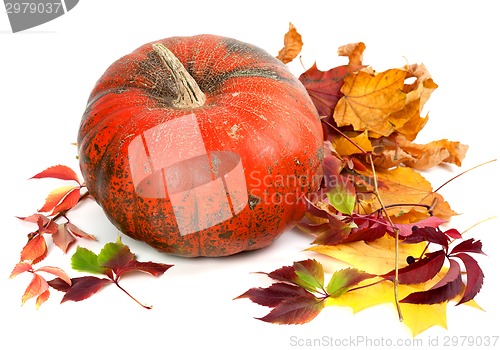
<point>324,87</point>
<point>398,150</point>
<point>113,261</point>
<point>417,318</point>
<point>369,100</point>
<point>63,238</point>
<point>61,172</point>
<point>62,198</point>
<point>292,45</point>
<point>298,310</point>
<point>354,51</point>
<point>85,260</point>
<point>84,287</point>
<point>56,271</point>
<point>377,257</point>
<point>20,268</point>
<point>421,271</point>
<point>344,279</point>
<point>475,277</point>
<point>79,232</point>
<point>275,294</point>
<point>37,286</point>
<point>307,274</point>
<point>35,250</point>
<point>468,246</point>
<point>405,185</point>
<point>345,148</point>
<point>446,289</point>
<point>310,273</point>
<point>342,196</point>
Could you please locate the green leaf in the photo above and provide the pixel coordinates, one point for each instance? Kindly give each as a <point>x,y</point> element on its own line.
<point>343,280</point>
<point>311,274</point>
<point>115,255</point>
<point>85,260</point>
<point>342,196</point>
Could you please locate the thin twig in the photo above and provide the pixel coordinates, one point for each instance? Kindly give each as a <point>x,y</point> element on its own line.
<point>344,136</point>
<point>462,173</point>
<point>396,239</point>
<point>478,223</point>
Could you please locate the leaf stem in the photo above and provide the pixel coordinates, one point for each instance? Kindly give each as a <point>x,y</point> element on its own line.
<point>396,239</point>
<point>130,295</point>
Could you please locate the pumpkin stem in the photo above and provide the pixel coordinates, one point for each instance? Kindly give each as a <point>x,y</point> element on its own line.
<point>189,94</point>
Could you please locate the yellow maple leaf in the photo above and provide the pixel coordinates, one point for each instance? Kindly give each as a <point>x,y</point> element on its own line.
<point>403,185</point>
<point>369,99</point>
<point>375,257</point>
<point>416,317</point>
<point>292,45</point>
<point>345,148</point>
<point>408,121</point>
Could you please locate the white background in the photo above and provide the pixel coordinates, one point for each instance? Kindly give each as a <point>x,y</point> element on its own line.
<point>46,74</point>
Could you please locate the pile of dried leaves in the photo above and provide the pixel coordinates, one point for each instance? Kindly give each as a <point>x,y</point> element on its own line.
<point>375,210</point>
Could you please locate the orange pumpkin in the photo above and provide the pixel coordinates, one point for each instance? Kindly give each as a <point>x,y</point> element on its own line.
<point>200,146</point>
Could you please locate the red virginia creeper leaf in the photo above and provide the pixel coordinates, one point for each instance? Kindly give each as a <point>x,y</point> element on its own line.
<point>78,232</point>
<point>285,274</point>
<point>42,298</point>
<point>35,250</point>
<point>84,287</point>
<point>59,284</point>
<point>56,271</point>
<point>37,286</point>
<point>475,277</point>
<point>336,233</point>
<point>68,202</point>
<point>370,228</point>
<point>468,246</point>
<point>45,225</point>
<point>34,218</point>
<point>152,268</point>
<point>298,310</point>
<point>62,172</point>
<point>420,271</point>
<point>453,233</point>
<point>407,229</point>
<point>115,255</point>
<point>446,289</point>
<point>342,280</point>
<point>63,238</point>
<point>275,294</point>
<point>311,274</point>
<point>55,197</point>
<point>428,234</point>
<point>20,268</point>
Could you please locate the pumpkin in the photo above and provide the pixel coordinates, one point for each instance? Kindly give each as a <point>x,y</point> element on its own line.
<point>200,146</point>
